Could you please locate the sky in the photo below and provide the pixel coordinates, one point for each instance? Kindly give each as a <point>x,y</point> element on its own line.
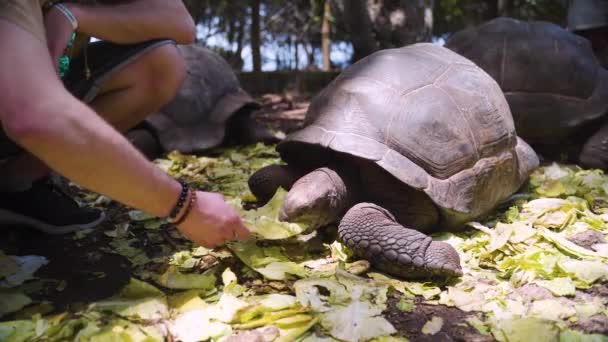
<point>341,52</point>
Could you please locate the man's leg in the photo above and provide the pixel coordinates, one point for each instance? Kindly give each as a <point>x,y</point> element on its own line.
<point>141,87</point>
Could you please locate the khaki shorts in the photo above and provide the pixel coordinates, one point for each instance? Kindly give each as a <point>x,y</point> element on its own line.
<point>27,14</point>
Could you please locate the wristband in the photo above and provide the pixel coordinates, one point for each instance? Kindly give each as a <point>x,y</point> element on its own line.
<point>180,201</point>
<point>68,14</point>
<point>188,208</point>
<point>49,4</point>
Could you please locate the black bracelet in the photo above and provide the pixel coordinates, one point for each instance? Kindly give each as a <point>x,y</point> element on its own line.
<point>180,201</point>
<point>188,208</point>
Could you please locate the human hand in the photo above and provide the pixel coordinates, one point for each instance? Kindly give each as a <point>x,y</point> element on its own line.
<point>59,31</point>
<point>212,222</point>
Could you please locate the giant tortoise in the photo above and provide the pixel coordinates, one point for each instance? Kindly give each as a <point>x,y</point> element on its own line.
<point>209,110</point>
<point>404,142</point>
<point>589,19</point>
<point>556,89</point>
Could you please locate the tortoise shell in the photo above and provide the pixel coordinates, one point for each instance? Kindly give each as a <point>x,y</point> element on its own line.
<point>195,120</point>
<point>551,78</point>
<point>428,116</point>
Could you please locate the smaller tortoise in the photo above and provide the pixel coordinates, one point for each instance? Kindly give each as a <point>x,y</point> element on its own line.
<point>403,143</point>
<point>553,82</point>
<point>589,19</point>
<point>209,110</point>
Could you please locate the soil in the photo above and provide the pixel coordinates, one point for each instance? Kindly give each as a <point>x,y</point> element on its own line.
<point>455,328</point>
<point>77,272</point>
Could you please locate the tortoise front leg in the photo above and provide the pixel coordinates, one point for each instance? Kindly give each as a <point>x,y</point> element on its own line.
<point>265,182</point>
<point>595,150</point>
<point>374,234</point>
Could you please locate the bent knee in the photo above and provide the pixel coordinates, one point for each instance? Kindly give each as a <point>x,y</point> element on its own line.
<point>166,71</point>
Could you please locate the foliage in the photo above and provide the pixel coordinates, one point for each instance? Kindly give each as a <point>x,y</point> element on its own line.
<point>522,270</point>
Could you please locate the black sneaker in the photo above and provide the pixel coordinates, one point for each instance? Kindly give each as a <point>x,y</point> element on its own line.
<point>47,208</point>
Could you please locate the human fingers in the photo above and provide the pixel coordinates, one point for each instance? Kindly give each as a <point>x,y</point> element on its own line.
<point>242,232</point>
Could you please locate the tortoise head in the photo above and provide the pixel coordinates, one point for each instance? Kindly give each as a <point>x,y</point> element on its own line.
<point>319,198</point>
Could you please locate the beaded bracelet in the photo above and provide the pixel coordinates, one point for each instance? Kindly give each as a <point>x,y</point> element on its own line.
<point>180,201</point>
<point>188,208</point>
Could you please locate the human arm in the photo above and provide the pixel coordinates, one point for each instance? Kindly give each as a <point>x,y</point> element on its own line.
<point>90,153</point>
<point>121,22</point>
<point>135,21</point>
<point>39,114</point>
<point>73,147</point>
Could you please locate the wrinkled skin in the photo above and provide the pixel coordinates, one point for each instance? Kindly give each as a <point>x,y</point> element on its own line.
<point>334,194</point>
<point>320,197</point>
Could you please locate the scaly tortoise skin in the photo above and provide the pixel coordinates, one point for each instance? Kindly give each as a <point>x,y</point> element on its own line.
<point>403,143</point>
<point>552,80</point>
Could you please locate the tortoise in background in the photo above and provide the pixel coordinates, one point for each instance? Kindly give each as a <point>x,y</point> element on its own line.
<point>403,143</point>
<point>555,86</point>
<point>209,110</point>
<point>589,19</point>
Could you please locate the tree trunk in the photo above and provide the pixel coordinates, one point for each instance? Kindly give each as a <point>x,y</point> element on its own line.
<point>492,10</point>
<point>326,37</point>
<point>239,44</point>
<point>418,26</point>
<point>428,20</point>
<point>256,36</point>
<point>504,7</point>
<point>296,55</point>
<point>360,28</point>
<point>309,50</point>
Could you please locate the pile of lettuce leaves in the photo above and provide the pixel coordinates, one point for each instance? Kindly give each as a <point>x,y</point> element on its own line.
<point>529,270</point>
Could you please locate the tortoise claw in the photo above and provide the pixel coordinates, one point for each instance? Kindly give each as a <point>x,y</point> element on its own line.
<point>443,258</point>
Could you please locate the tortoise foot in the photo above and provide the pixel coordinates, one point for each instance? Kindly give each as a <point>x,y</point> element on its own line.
<point>373,233</point>
<point>595,151</point>
<point>265,182</point>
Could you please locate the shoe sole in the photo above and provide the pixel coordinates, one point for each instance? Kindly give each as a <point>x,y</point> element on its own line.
<point>9,217</point>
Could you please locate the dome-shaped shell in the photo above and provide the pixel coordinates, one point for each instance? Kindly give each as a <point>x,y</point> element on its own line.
<point>428,116</point>
<point>196,118</point>
<point>551,77</point>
